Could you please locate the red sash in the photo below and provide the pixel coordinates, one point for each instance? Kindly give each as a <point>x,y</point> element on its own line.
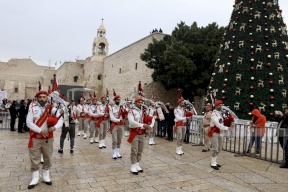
<point>39,123</point>
<point>113,124</point>
<point>100,119</point>
<point>178,124</point>
<point>134,132</point>
<point>213,130</point>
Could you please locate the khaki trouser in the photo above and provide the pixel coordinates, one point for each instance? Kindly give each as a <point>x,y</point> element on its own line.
<point>137,147</point>
<point>93,130</point>
<point>181,130</point>
<point>153,130</point>
<point>103,129</point>
<point>126,126</point>
<point>117,133</point>
<point>206,137</point>
<point>83,124</point>
<point>40,146</point>
<point>217,142</point>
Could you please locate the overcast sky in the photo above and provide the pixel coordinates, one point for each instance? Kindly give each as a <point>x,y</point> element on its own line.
<point>63,30</point>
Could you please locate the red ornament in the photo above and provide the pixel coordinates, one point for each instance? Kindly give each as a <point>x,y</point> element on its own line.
<point>252,68</point>
<point>234,30</point>
<point>211,81</point>
<point>267,49</point>
<point>251,87</point>
<point>278,23</point>
<point>251,104</point>
<point>250,2</point>
<point>252,53</point>
<point>233,42</point>
<point>271,114</point>
<point>270,82</point>
<point>216,66</point>
<point>266,24</point>
<point>280,35</point>
<point>223,97</point>
<point>237,18</point>
<point>224,85</point>
<point>226,71</point>
<point>230,56</point>
<point>251,40</point>
<point>268,64</point>
<point>271,97</point>
<point>266,37</point>
<point>265,9</point>
<point>250,27</point>
<point>251,14</point>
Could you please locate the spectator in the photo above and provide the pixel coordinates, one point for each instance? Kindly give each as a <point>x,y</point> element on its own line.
<point>258,130</point>
<point>13,114</point>
<point>22,116</point>
<point>171,122</point>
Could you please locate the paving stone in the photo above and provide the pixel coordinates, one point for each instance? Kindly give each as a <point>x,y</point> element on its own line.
<point>252,178</point>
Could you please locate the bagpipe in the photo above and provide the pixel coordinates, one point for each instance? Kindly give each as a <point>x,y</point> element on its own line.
<point>228,115</point>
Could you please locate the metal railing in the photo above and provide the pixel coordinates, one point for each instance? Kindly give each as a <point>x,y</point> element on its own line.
<point>238,139</point>
<point>5,120</point>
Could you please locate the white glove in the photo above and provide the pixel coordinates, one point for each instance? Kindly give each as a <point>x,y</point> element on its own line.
<point>76,122</point>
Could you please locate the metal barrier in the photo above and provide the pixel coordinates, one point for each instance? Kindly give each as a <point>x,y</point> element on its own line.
<point>238,140</point>
<point>5,121</point>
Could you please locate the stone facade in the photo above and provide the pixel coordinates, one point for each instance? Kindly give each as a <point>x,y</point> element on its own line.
<point>19,78</point>
<point>121,71</point>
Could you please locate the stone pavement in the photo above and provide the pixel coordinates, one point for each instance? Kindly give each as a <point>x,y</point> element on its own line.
<point>92,169</point>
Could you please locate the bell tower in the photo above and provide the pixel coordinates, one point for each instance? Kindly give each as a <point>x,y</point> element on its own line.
<point>100,44</point>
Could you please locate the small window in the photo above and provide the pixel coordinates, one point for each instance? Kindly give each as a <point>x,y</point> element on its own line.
<point>99,77</point>
<point>120,71</point>
<point>75,79</point>
<point>52,81</point>
<point>136,66</point>
<point>16,89</point>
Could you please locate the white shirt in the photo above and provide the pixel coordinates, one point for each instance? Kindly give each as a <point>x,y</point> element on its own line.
<point>135,118</point>
<point>35,112</point>
<point>114,112</point>
<point>92,110</point>
<point>179,114</point>
<point>217,120</point>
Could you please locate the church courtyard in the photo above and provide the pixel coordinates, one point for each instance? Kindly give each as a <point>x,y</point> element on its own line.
<point>92,169</point>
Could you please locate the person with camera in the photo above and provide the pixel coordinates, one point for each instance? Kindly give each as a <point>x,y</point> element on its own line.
<point>70,119</point>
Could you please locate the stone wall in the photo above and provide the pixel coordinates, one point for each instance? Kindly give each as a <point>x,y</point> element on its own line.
<point>24,74</point>
<point>124,68</point>
<point>67,71</point>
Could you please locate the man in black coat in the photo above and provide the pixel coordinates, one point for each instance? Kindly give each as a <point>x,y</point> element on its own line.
<point>22,116</point>
<point>13,114</point>
<point>171,122</point>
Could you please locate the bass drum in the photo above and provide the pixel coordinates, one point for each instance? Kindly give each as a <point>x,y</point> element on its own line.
<point>160,114</point>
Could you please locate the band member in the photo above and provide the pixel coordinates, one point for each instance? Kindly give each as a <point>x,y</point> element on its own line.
<point>70,119</point>
<point>42,120</point>
<point>206,127</point>
<point>117,116</point>
<point>102,124</point>
<point>137,133</point>
<point>180,125</point>
<point>153,113</point>
<point>217,129</point>
<point>83,123</point>
<point>94,132</point>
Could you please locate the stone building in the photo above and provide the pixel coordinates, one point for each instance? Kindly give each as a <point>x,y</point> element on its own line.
<point>19,78</point>
<point>121,71</point>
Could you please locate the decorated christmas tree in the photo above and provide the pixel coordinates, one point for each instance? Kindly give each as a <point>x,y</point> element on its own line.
<point>252,63</point>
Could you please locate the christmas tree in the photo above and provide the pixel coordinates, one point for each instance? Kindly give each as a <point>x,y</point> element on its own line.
<point>251,67</point>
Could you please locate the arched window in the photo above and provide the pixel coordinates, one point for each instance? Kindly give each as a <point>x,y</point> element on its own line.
<point>136,65</point>
<point>120,71</point>
<point>75,79</point>
<point>99,77</point>
<point>101,49</point>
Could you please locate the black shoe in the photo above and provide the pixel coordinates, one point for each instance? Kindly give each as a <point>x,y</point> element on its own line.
<point>42,162</point>
<point>215,167</point>
<point>13,130</point>
<point>171,139</point>
<point>284,166</point>
<point>257,152</point>
<point>71,151</point>
<point>134,173</point>
<point>248,151</point>
<point>60,151</point>
<point>218,165</point>
<point>21,131</point>
<point>48,182</point>
<point>187,142</point>
<point>204,150</point>
<point>31,186</point>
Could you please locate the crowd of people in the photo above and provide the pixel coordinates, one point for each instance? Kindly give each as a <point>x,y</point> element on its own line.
<point>136,118</point>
